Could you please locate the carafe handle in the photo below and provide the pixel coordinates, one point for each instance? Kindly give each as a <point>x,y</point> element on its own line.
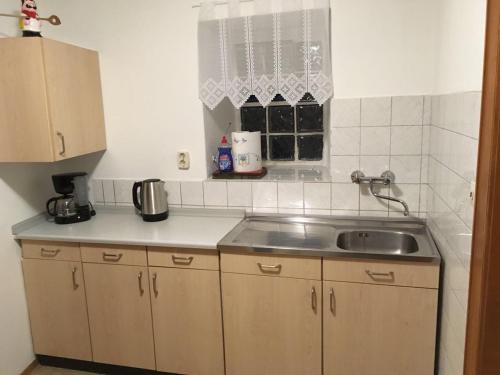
<point>49,211</point>
<point>135,191</point>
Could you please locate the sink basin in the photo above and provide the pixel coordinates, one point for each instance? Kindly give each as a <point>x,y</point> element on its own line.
<point>378,241</point>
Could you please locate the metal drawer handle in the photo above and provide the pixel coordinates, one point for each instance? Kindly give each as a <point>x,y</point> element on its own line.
<point>111,257</point>
<point>182,260</point>
<point>75,284</point>
<point>63,143</point>
<point>155,286</point>
<point>333,302</point>
<point>47,253</point>
<point>314,299</point>
<point>139,278</point>
<point>267,268</point>
<point>377,275</point>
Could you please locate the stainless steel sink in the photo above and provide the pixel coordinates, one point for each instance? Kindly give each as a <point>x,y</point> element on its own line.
<point>388,238</point>
<point>379,241</point>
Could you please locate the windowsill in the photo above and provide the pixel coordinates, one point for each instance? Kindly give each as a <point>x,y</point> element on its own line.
<point>293,173</point>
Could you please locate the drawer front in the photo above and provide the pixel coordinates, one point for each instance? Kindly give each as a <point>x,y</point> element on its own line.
<point>423,275</point>
<point>283,266</point>
<point>183,258</point>
<point>111,254</point>
<point>52,250</point>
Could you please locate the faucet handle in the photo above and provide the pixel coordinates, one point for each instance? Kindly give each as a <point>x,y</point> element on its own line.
<point>388,177</point>
<point>356,176</point>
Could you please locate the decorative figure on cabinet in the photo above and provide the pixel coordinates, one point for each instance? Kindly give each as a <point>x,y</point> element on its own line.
<point>29,21</point>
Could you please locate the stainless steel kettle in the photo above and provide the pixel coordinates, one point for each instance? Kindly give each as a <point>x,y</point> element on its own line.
<point>150,198</point>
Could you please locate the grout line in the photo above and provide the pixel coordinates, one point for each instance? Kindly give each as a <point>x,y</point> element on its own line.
<point>451,170</point>
<point>455,132</point>
<point>434,191</point>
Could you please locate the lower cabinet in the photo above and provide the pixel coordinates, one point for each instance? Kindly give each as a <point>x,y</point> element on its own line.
<point>187,321</point>
<point>55,293</point>
<point>119,309</point>
<point>272,325</point>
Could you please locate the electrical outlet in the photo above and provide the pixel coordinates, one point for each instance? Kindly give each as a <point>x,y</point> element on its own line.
<point>183,160</point>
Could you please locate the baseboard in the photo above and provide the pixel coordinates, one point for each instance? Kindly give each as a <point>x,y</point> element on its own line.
<point>28,370</point>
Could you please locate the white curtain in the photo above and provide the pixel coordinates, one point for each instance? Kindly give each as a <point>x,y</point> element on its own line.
<point>283,48</point>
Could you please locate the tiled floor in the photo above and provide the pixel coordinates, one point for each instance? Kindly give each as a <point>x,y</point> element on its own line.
<point>43,370</point>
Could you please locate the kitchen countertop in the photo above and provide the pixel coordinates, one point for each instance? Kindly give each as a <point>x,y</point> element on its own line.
<point>189,228</point>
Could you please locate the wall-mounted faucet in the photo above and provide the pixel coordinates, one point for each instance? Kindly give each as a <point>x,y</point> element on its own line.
<point>386,178</point>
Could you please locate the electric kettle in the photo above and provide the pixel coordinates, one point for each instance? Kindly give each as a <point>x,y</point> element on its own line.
<point>150,198</point>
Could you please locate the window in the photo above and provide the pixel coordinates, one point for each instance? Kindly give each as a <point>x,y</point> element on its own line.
<point>289,134</point>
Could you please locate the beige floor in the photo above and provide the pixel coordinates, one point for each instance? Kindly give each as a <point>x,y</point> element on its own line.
<point>43,370</point>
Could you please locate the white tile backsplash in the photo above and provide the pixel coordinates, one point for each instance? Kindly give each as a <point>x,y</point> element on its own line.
<point>376,111</point>
<point>368,202</point>
<point>375,140</point>
<point>374,165</point>
<point>317,195</point>
<point>109,192</point>
<point>123,191</point>
<point>345,196</point>
<point>97,191</point>
<point>342,166</point>
<point>215,193</point>
<point>239,193</point>
<point>406,140</point>
<point>192,193</point>
<point>291,195</point>
<point>407,110</point>
<point>345,141</point>
<point>265,194</point>
<point>173,189</point>
<point>346,112</point>
<point>406,168</point>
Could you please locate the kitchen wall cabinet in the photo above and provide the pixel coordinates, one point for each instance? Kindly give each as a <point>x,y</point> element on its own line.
<point>187,320</point>
<point>272,324</point>
<point>377,326</point>
<point>119,308</point>
<point>50,101</point>
<point>55,293</point>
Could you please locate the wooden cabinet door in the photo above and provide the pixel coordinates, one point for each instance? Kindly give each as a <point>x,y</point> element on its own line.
<point>377,329</point>
<point>74,99</point>
<point>57,309</point>
<point>120,315</point>
<point>187,321</point>
<point>272,325</point>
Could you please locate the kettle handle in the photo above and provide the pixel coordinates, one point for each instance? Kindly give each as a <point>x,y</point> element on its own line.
<point>53,212</point>
<point>135,192</point>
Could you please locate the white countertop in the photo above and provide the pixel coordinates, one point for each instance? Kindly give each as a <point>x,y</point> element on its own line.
<point>201,229</point>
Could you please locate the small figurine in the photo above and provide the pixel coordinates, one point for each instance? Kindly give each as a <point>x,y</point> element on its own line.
<point>30,24</point>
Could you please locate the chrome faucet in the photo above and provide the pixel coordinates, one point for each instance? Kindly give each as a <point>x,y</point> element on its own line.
<point>385,179</point>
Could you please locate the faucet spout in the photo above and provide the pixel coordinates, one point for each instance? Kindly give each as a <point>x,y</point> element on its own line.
<point>389,198</point>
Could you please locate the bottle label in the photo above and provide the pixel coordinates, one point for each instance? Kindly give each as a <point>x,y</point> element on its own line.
<point>225,162</point>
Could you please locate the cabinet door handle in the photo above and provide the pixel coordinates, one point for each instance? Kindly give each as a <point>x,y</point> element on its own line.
<point>63,143</point>
<point>375,276</point>
<point>267,268</point>
<point>182,260</point>
<point>155,285</point>
<point>314,299</point>
<point>139,278</point>
<point>333,302</point>
<point>75,284</point>
<point>111,257</point>
<point>47,253</point>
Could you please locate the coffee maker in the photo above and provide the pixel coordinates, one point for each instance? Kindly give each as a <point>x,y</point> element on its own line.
<point>73,205</point>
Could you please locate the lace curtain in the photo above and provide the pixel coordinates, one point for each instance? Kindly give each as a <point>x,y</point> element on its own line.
<point>283,48</point>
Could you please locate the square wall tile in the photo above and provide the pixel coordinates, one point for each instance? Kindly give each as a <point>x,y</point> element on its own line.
<point>341,167</point>
<point>123,191</point>
<point>367,202</point>
<point>376,111</point>
<point>426,141</point>
<point>406,140</point>
<point>346,112</point>
<point>290,195</point>
<point>317,195</point>
<point>109,192</point>
<point>215,193</point>
<point>97,191</point>
<point>173,189</point>
<point>406,168</point>
<point>192,193</point>
<point>407,110</point>
<point>375,140</point>
<point>374,165</point>
<point>345,196</point>
<point>427,120</point>
<point>410,193</point>
<point>265,194</point>
<point>239,194</point>
<point>345,141</point>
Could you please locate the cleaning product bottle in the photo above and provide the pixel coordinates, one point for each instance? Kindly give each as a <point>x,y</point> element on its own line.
<point>225,156</point>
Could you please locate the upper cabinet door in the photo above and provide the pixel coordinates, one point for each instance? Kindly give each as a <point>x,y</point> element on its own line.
<point>74,99</point>
<point>55,292</point>
<point>50,101</point>
<point>378,329</point>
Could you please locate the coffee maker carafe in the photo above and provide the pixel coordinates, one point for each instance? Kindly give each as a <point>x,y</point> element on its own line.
<point>73,205</point>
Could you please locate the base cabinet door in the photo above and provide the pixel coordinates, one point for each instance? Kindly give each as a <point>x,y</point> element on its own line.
<point>119,308</point>
<point>57,309</point>
<point>378,329</point>
<point>272,325</point>
<point>187,320</point>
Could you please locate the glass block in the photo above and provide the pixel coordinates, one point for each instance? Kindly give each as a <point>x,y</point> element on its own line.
<point>310,147</point>
<point>281,119</point>
<point>282,147</point>
<point>307,98</point>
<point>253,119</point>
<point>263,147</point>
<point>309,118</point>
<point>279,98</point>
